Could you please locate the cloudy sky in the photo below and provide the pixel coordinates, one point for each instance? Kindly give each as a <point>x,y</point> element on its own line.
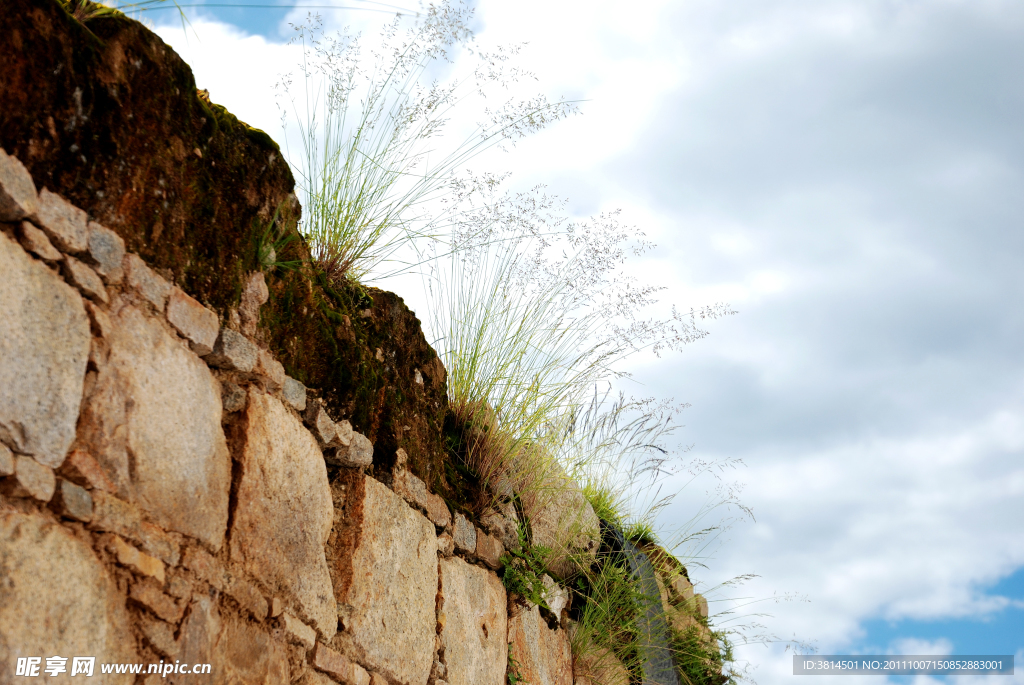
<point>849,175</point>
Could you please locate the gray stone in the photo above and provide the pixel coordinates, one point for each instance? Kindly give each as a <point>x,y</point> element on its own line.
<point>360,451</point>
<point>44,347</point>
<point>158,402</point>
<point>474,624</point>
<point>18,199</point>
<point>30,479</point>
<point>85,279</point>
<point>106,252</point>
<point>233,351</point>
<point>67,225</point>
<point>6,461</point>
<point>383,558</point>
<point>232,396</point>
<point>148,283</point>
<point>36,242</point>
<point>58,599</point>
<point>465,534</point>
<point>283,511</point>
<point>543,655</point>
<point>73,501</point>
<point>295,394</point>
<point>196,323</point>
<point>323,428</point>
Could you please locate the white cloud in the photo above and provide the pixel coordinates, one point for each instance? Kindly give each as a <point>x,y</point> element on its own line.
<point>849,174</point>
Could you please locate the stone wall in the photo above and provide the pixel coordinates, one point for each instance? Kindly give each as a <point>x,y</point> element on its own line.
<point>169,493</point>
<point>206,458</point>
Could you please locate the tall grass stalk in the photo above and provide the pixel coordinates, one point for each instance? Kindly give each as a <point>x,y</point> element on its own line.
<point>376,162</point>
<point>528,316</point>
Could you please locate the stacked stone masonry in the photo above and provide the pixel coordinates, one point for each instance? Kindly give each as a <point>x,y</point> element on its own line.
<point>165,493</point>
<point>168,494</point>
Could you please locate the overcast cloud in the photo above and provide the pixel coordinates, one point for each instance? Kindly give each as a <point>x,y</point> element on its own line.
<point>848,175</point>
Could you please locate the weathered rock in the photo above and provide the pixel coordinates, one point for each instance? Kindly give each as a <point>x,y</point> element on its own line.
<point>6,460</point>
<point>106,252</point>
<point>246,654</point>
<point>283,511</point>
<point>206,567</point>
<point>72,501</point>
<point>599,666</point>
<point>157,401</point>
<point>445,544</point>
<point>543,654</point>
<point>152,286</point>
<point>178,586</point>
<point>702,605</point>
<point>383,558</point>
<point>18,199</point>
<point>85,279</point>
<point>44,347</point>
<point>270,369</point>
<point>82,468</point>
<point>358,453</point>
<point>158,543</point>
<point>437,511</point>
<point>57,599</point>
<point>474,624</point>
<point>248,597</point>
<point>465,534</point>
<point>67,225</point>
<point>276,607</point>
<point>198,637</point>
<point>489,549</point>
<point>341,669</point>
<point>160,636</point>
<point>294,394</point>
<point>501,526</point>
<point>130,557</point>
<point>412,489</point>
<point>297,631</point>
<point>35,241</point>
<point>563,521</point>
<point>233,351</point>
<point>680,587</point>
<point>195,322</point>
<point>147,594</point>
<point>30,479</point>
<point>254,294</point>
<point>114,515</point>
<point>323,427</point>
